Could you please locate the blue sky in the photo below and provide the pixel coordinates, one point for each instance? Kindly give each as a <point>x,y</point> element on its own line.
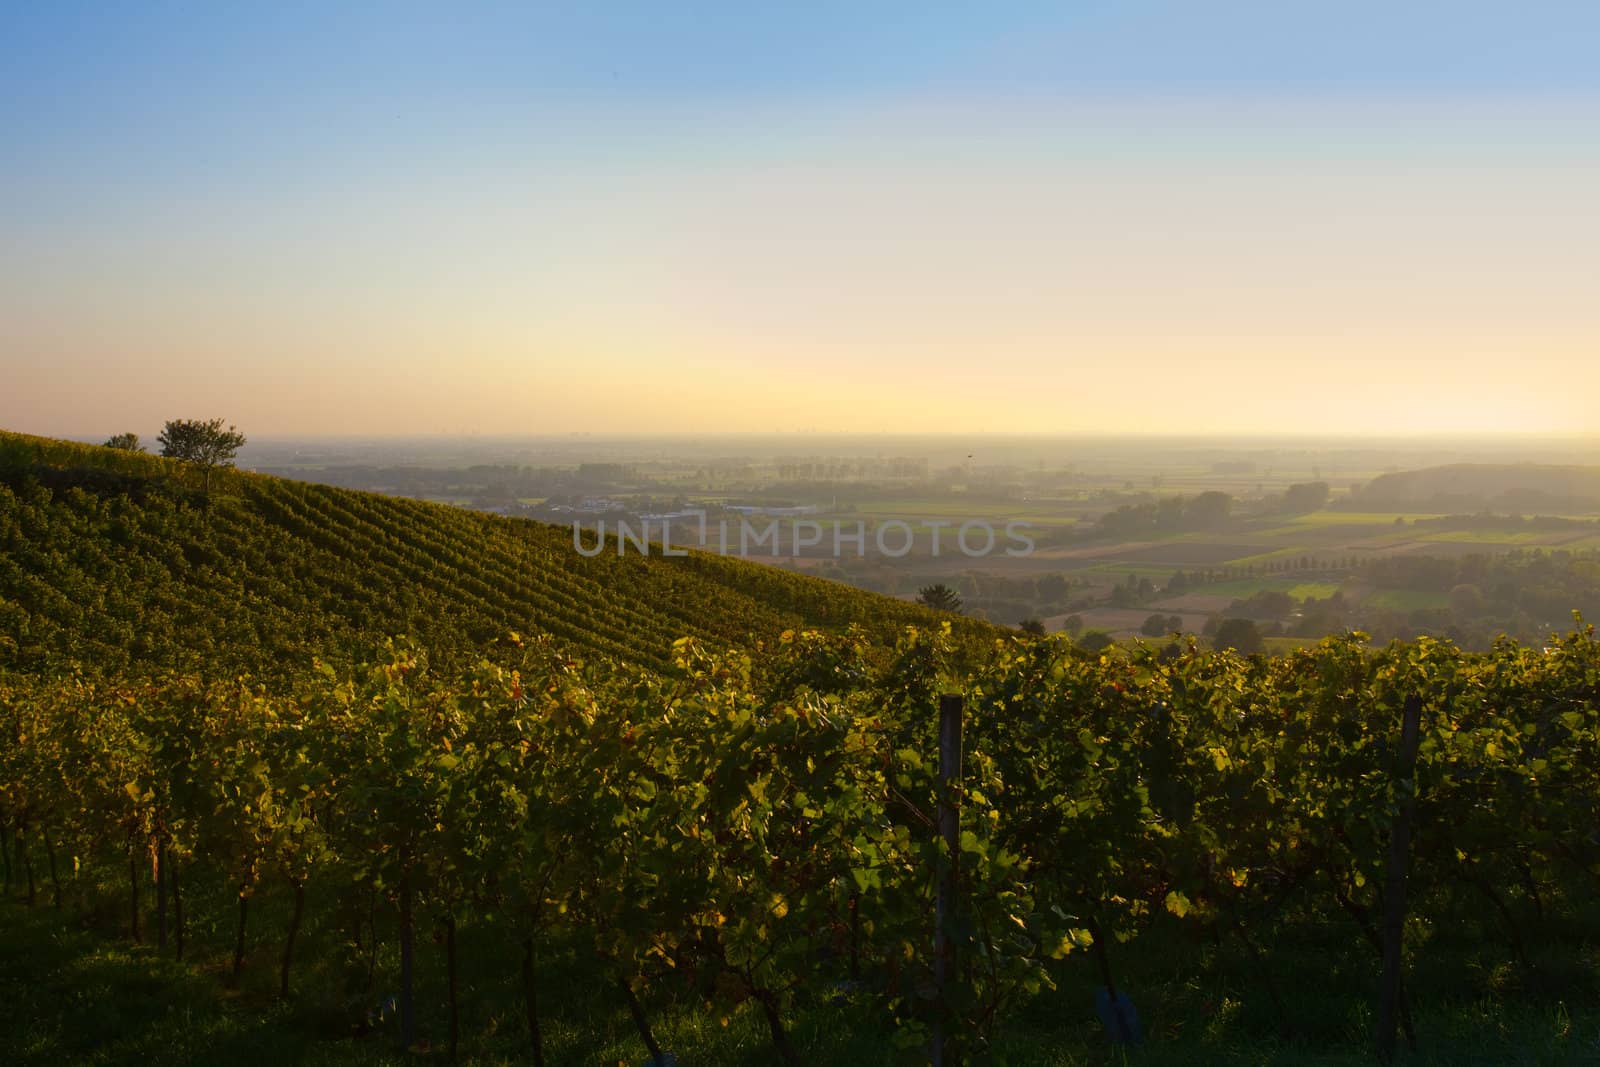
<point>92,61</point>
<point>308,196</point>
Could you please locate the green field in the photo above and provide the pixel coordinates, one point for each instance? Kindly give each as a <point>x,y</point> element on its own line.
<point>1293,552</point>
<point>1359,518</point>
<point>1248,587</point>
<point>1496,537</point>
<point>1406,599</point>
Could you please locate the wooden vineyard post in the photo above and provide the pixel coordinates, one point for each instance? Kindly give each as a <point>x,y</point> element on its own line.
<point>944,955</point>
<point>1394,890</point>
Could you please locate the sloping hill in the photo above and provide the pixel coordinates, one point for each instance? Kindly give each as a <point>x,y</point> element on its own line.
<point>116,559</point>
<point>1501,487</point>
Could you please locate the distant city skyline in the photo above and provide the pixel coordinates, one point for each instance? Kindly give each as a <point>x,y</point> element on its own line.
<point>390,219</point>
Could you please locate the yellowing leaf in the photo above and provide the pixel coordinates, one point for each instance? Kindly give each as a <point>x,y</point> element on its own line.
<point>1072,939</point>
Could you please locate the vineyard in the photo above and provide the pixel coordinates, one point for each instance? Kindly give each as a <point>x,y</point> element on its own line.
<point>114,560</point>
<point>596,810</point>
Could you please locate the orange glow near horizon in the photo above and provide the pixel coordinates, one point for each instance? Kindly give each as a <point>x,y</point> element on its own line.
<point>899,271</point>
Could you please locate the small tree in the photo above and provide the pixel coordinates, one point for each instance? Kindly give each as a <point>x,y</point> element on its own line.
<point>1033,627</point>
<point>1305,496</point>
<point>1241,635</point>
<point>1155,626</point>
<point>128,442</point>
<point>940,597</point>
<point>201,442</point>
<point>1073,625</point>
<point>1096,641</point>
<point>1051,588</point>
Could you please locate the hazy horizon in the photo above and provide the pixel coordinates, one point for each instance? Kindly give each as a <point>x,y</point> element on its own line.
<point>1318,455</point>
<point>387,220</point>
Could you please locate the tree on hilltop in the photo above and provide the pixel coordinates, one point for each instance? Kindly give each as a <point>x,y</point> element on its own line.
<point>128,442</point>
<point>940,597</point>
<point>202,442</point>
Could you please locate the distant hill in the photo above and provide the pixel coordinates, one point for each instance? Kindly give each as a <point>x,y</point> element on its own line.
<point>116,559</point>
<point>1511,488</point>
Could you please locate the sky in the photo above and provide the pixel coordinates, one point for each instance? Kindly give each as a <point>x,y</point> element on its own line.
<point>1138,217</point>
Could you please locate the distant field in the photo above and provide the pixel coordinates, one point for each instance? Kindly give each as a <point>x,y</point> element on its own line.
<point>1056,512</point>
<point>1441,549</point>
<point>1186,553</point>
<point>1406,599</point>
<point>1506,537</point>
<point>1320,590</point>
<point>1205,603</point>
<point>1310,532</point>
<point>1123,570</point>
<point>1292,552</point>
<point>1248,587</point>
<point>1360,518</point>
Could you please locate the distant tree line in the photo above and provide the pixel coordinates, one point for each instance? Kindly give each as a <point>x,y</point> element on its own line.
<point>1168,515</point>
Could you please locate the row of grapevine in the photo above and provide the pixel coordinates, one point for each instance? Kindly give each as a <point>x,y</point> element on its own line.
<point>768,837</point>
